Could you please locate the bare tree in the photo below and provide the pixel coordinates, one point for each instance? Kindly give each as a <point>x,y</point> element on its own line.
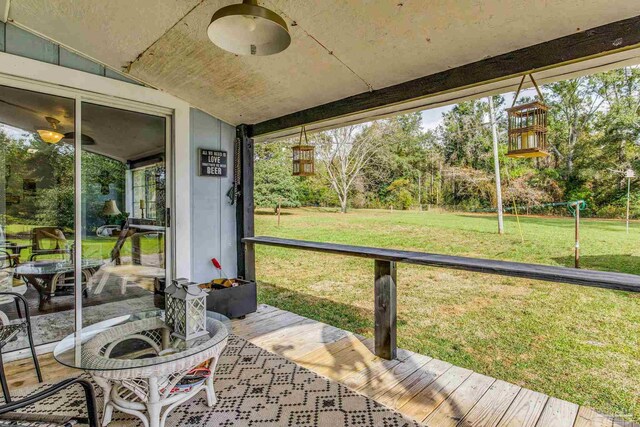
<point>345,151</point>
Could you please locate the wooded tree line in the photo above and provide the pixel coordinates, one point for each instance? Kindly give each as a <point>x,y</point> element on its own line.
<point>37,182</point>
<point>593,138</point>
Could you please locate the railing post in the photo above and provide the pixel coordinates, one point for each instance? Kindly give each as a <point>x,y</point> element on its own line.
<point>244,207</point>
<point>385,309</point>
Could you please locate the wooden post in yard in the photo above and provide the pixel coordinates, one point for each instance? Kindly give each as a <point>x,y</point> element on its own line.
<point>630,173</point>
<point>419,190</point>
<point>577,252</point>
<point>279,207</point>
<point>385,309</point>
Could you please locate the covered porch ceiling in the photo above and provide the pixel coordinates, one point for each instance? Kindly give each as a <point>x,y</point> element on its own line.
<point>341,50</point>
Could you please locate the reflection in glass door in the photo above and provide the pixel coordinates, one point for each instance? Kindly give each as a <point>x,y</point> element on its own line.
<point>37,211</point>
<point>123,205</point>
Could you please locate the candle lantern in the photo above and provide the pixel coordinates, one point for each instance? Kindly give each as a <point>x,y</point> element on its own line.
<point>170,303</point>
<point>303,157</point>
<point>186,309</point>
<point>528,126</point>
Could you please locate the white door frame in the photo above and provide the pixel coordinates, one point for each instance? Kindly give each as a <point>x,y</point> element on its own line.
<point>24,73</point>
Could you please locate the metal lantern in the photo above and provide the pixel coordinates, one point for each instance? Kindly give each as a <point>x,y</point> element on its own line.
<point>170,303</point>
<point>186,309</point>
<point>528,127</point>
<point>303,157</point>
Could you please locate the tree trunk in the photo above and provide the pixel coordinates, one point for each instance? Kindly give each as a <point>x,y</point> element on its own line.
<point>343,205</point>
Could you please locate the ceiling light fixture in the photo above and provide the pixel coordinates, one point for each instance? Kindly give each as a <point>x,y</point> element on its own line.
<point>85,139</point>
<point>249,29</point>
<point>51,136</point>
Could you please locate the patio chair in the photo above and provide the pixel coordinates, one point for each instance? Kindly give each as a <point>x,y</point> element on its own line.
<point>48,241</point>
<point>143,271</point>
<point>8,416</point>
<point>8,259</point>
<point>11,329</point>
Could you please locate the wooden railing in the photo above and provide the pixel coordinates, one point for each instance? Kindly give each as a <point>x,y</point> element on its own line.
<point>385,276</point>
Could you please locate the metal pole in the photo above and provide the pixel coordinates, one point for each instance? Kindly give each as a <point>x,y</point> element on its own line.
<point>628,200</point>
<point>419,190</point>
<point>577,254</point>
<point>496,164</point>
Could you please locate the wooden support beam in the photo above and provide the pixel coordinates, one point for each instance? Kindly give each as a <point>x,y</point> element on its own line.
<point>385,309</point>
<point>244,208</point>
<point>582,45</point>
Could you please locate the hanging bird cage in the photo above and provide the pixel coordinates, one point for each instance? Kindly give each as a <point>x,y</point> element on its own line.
<point>303,157</point>
<point>528,126</point>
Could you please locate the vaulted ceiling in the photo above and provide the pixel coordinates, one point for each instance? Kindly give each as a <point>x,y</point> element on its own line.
<point>339,48</point>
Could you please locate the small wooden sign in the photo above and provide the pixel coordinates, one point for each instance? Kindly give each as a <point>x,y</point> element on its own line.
<point>212,162</point>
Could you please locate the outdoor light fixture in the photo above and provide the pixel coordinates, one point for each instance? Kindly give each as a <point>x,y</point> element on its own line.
<point>249,29</point>
<point>51,136</point>
<point>85,139</point>
<point>110,208</point>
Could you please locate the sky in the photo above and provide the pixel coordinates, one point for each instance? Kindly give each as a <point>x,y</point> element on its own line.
<point>433,117</point>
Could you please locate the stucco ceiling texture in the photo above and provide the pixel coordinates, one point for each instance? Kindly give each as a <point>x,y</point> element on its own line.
<point>339,48</point>
<point>114,32</point>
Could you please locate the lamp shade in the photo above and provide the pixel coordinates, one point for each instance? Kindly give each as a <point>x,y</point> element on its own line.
<point>249,29</point>
<point>50,136</point>
<point>110,208</point>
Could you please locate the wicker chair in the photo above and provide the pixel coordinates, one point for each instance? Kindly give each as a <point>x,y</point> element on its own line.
<point>7,259</point>
<point>8,416</point>
<point>48,241</point>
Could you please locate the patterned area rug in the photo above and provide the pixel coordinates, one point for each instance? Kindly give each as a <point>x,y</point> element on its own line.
<point>255,388</point>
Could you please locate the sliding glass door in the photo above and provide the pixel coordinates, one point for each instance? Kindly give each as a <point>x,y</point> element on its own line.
<point>124,210</point>
<point>84,198</point>
<point>37,205</point>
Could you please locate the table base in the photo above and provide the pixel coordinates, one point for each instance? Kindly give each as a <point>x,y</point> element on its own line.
<point>121,397</point>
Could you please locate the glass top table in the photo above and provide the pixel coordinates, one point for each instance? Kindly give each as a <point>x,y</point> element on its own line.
<point>136,341</point>
<point>51,267</point>
<point>55,277</point>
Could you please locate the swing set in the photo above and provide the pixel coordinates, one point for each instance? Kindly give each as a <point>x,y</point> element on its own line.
<point>573,206</point>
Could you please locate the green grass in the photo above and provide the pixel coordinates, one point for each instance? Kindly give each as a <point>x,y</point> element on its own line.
<point>576,343</point>
<point>93,247</point>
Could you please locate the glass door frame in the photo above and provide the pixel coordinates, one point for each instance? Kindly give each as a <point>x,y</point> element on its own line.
<point>169,156</point>
<point>79,96</point>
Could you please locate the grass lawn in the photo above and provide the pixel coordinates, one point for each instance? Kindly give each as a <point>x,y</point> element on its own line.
<point>576,343</point>
<point>93,247</point>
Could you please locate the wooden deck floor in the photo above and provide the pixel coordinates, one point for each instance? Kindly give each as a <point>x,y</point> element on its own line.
<point>428,390</point>
<point>425,389</point>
